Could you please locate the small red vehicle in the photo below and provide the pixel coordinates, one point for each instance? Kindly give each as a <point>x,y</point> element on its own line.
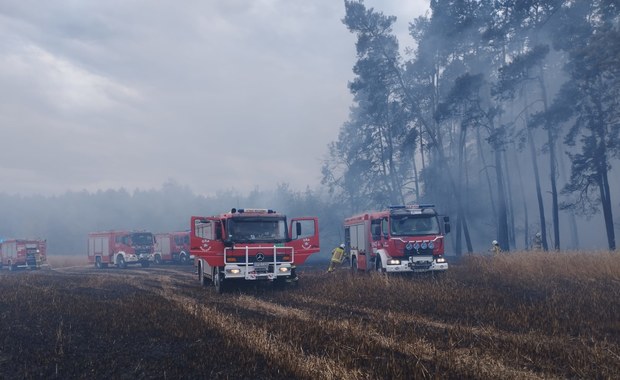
<point>400,239</point>
<point>120,248</point>
<point>172,247</point>
<point>23,253</point>
<point>251,245</point>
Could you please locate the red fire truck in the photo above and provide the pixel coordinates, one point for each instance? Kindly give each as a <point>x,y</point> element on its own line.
<point>120,248</point>
<point>251,244</point>
<point>23,253</point>
<point>401,239</point>
<point>172,247</point>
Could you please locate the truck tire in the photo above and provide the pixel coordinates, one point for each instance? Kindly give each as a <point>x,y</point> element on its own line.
<point>158,259</point>
<point>120,262</point>
<point>183,258</point>
<point>379,265</point>
<point>146,264</point>
<point>204,280</point>
<point>218,281</point>
<point>98,264</point>
<point>12,268</point>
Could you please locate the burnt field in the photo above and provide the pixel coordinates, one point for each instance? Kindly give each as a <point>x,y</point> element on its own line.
<point>520,316</point>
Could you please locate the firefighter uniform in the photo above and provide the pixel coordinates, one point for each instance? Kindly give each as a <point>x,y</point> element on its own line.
<point>537,242</point>
<point>495,248</point>
<point>338,257</point>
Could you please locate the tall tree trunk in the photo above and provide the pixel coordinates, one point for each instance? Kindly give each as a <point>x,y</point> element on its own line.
<point>459,179</point>
<point>526,236</point>
<point>541,205</point>
<point>552,163</point>
<point>502,218</point>
<point>509,202</point>
<point>485,167</point>
<point>572,221</point>
<point>415,178</point>
<point>607,213</point>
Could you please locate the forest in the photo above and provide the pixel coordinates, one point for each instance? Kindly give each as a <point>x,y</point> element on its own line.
<point>504,114</point>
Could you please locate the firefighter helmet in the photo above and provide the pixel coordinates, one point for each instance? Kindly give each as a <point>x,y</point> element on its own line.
<point>342,245</point>
<point>494,242</point>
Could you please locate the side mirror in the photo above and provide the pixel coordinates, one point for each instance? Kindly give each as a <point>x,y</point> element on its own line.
<point>228,242</point>
<point>298,229</point>
<point>446,227</point>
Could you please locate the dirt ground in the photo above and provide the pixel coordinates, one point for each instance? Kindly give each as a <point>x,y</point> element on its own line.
<point>74,321</point>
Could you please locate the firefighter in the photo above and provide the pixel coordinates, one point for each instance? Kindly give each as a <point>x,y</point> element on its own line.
<point>338,257</point>
<point>495,248</point>
<point>537,242</point>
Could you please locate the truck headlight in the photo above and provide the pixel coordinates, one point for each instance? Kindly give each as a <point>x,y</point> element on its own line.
<point>283,269</point>
<point>233,271</point>
<point>441,260</point>
<point>393,262</point>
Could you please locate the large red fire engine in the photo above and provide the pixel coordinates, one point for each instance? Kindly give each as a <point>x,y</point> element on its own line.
<point>172,247</point>
<point>22,253</point>
<point>120,248</point>
<point>401,239</point>
<point>251,244</point>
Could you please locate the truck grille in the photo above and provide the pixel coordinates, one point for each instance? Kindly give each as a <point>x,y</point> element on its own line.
<point>31,259</point>
<point>142,250</point>
<point>417,252</point>
<point>252,258</point>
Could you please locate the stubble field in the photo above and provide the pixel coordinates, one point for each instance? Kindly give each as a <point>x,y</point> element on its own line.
<point>517,316</point>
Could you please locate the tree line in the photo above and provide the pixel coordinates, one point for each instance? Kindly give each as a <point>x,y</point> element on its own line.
<point>65,220</point>
<point>506,114</point>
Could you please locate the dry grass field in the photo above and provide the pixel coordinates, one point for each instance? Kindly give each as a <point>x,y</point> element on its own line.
<point>518,316</point>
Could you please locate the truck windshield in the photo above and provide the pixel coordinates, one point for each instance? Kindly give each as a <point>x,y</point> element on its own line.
<point>412,225</point>
<point>142,238</point>
<point>257,230</point>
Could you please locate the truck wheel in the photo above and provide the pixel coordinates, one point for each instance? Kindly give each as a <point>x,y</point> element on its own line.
<point>12,267</point>
<point>98,263</point>
<point>354,265</point>
<point>120,262</point>
<point>204,280</point>
<point>379,265</point>
<point>158,259</point>
<point>146,264</point>
<point>218,281</point>
<point>183,258</point>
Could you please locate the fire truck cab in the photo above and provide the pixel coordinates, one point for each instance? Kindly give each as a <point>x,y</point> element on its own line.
<point>251,244</point>
<point>400,239</point>
<point>172,247</point>
<point>22,253</point>
<point>120,248</point>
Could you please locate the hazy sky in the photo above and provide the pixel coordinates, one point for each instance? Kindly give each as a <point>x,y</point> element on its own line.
<point>215,95</point>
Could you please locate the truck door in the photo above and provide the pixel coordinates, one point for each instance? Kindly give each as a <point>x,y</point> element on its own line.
<point>304,233</point>
<point>206,240</point>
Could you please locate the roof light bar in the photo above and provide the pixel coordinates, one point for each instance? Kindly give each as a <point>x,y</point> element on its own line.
<point>252,210</point>
<point>412,206</point>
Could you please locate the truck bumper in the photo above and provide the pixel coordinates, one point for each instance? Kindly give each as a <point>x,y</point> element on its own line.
<point>418,265</point>
<point>249,272</point>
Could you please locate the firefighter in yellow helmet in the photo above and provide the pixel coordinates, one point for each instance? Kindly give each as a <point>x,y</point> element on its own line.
<point>338,257</point>
<point>495,248</point>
